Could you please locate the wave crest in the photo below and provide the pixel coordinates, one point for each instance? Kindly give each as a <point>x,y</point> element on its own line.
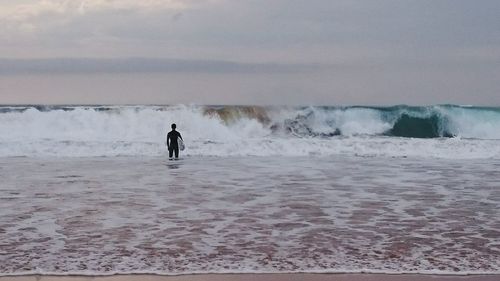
<point>250,130</point>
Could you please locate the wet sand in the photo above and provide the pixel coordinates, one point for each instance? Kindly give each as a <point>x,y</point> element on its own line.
<point>264,214</point>
<point>260,277</point>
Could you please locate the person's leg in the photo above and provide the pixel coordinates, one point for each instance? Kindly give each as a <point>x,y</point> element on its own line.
<point>176,152</point>
<point>170,152</point>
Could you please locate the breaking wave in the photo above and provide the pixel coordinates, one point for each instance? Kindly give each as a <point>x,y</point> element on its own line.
<point>432,131</point>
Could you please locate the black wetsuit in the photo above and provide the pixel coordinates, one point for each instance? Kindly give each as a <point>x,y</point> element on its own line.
<point>173,145</point>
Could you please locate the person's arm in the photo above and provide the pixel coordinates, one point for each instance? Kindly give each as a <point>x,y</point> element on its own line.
<point>168,141</point>
<point>180,136</point>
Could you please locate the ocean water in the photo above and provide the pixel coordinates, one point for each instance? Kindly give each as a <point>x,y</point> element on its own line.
<point>78,131</point>
<point>89,190</point>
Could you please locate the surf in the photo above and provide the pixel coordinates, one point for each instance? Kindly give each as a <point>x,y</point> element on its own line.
<point>73,130</point>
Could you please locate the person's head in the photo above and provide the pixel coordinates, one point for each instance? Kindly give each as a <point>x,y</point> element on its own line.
<point>173,126</point>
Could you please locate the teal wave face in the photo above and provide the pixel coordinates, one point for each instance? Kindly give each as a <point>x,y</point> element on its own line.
<point>416,127</point>
<point>398,121</point>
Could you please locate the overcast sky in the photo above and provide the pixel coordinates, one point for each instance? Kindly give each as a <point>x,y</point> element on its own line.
<point>331,52</point>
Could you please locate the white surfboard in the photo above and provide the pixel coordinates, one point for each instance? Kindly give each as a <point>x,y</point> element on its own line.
<point>181,144</point>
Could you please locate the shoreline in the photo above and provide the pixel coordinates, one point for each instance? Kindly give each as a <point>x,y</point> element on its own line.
<point>257,276</point>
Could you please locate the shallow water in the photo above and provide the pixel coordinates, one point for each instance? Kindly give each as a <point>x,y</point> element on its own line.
<point>249,214</point>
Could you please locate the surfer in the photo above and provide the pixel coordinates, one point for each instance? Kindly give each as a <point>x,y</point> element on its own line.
<point>172,142</point>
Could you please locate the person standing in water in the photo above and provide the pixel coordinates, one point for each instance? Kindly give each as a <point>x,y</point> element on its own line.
<point>172,142</point>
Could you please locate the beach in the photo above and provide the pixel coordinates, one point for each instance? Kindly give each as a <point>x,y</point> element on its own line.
<point>250,140</point>
<point>260,277</point>
<point>112,215</point>
<point>260,192</point>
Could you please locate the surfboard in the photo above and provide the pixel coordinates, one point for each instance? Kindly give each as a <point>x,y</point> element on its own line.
<point>181,144</point>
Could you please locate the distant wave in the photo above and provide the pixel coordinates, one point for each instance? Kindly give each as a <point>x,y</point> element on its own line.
<point>434,131</point>
<point>399,121</point>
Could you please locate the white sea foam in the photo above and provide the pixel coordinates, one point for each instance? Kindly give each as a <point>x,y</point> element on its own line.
<point>111,131</point>
<point>474,123</point>
<point>248,214</point>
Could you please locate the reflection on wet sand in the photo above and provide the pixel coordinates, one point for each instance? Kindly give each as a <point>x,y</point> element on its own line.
<point>250,214</point>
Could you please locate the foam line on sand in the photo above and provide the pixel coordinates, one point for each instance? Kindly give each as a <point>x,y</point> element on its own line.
<point>259,277</point>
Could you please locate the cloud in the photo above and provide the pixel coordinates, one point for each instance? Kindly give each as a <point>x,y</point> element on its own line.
<point>36,16</point>
<point>251,31</point>
<point>27,11</point>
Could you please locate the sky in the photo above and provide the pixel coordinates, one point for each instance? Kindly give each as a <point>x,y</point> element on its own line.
<point>290,52</point>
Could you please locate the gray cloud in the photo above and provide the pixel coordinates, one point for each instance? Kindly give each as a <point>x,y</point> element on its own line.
<point>263,30</point>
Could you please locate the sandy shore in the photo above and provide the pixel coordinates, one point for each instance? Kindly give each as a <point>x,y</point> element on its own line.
<point>259,277</point>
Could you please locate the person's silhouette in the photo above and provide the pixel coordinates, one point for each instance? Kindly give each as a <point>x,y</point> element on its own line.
<point>172,142</point>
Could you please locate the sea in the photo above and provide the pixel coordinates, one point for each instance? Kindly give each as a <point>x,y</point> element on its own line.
<point>89,190</point>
